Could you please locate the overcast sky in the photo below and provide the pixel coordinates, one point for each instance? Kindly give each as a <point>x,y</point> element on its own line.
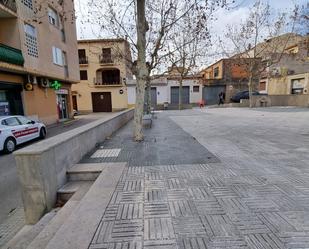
<point>224,17</point>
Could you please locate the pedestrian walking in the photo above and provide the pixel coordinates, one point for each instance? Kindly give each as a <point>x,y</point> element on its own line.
<point>221,98</point>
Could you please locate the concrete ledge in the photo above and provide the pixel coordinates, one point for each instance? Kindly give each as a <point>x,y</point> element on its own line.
<point>42,167</point>
<point>78,230</point>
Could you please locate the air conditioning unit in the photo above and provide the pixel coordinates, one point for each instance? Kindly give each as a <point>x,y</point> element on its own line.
<point>44,82</point>
<point>290,72</point>
<point>32,79</point>
<point>276,71</point>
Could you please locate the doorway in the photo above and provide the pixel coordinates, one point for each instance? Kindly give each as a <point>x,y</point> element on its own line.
<point>101,102</point>
<point>62,105</point>
<point>74,102</point>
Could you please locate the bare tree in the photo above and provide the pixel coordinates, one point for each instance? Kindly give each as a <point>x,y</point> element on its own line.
<point>141,69</point>
<point>258,41</point>
<point>187,44</point>
<point>120,19</point>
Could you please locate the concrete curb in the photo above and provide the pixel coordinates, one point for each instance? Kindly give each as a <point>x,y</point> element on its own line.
<point>42,167</point>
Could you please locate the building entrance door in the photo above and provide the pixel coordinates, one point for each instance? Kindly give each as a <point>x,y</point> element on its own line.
<point>62,105</point>
<point>10,99</point>
<point>101,102</point>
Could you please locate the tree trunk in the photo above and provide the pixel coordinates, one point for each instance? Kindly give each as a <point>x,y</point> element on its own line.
<point>148,96</point>
<point>141,71</point>
<point>250,91</point>
<point>180,94</point>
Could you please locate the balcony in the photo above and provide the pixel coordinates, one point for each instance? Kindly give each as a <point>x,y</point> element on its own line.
<point>107,77</point>
<point>7,4</point>
<point>99,82</point>
<point>83,60</point>
<point>11,55</point>
<point>105,59</point>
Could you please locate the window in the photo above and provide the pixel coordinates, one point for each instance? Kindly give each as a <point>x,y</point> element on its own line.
<point>58,56</point>
<point>24,120</point>
<point>298,86</point>
<point>82,56</point>
<point>53,17</point>
<point>2,96</point>
<point>31,40</point>
<point>196,89</point>
<point>65,64</point>
<point>106,56</point>
<point>27,3</point>
<point>11,122</point>
<point>262,86</point>
<point>63,35</point>
<point>216,72</point>
<point>83,75</point>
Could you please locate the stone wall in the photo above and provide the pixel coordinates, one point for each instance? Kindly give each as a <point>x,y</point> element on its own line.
<point>42,167</point>
<point>281,100</point>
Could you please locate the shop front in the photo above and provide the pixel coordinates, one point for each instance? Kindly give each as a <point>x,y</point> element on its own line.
<point>62,103</point>
<point>11,99</point>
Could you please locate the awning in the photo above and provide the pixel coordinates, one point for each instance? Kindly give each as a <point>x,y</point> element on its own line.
<point>11,55</point>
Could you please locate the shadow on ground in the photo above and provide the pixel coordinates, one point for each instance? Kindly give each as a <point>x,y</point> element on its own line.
<point>165,144</point>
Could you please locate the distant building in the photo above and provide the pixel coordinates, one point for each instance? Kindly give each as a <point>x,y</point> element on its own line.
<point>38,58</point>
<point>165,90</point>
<point>226,75</point>
<point>104,72</point>
<point>291,74</point>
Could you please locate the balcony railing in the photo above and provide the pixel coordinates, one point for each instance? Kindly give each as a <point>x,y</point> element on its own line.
<point>99,82</point>
<point>105,60</point>
<point>83,60</point>
<point>10,4</point>
<point>11,55</point>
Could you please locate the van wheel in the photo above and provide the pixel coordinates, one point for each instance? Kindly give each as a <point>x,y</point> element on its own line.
<point>42,133</point>
<point>9,145</point>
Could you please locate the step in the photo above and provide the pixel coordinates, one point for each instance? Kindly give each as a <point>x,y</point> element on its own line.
<point>70,188</point>
<point>63,214</point>
<point>28,233</point>
<point>79,228</point>
<point>85,172</point>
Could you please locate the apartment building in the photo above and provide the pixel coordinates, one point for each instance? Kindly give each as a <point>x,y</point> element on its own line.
<point>104,71</point>
<point>38,58</point>
<point>226,75</point>
<point>290,75</point>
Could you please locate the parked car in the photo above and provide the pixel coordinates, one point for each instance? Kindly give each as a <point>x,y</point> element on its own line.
<point>242,95</point>
<point>15,130</point>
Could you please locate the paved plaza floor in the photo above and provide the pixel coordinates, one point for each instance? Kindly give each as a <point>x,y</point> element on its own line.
<point>210,178</point>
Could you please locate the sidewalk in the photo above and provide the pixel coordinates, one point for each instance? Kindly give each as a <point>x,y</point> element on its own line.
<point>252,197</point>
<point>11,213</point>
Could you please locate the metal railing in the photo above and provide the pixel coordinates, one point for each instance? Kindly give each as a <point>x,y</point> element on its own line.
<point>83,60</point>
<point>10,4</point>
<point>99,82</point>
<point>105,60</point>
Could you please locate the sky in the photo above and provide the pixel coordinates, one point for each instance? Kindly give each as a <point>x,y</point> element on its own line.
<point>224,17</point>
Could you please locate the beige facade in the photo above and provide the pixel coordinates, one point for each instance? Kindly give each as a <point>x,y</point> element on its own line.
<point>40,38</point>
<point>291,84</point>
<point>291,74</point>
<point>104,71</point>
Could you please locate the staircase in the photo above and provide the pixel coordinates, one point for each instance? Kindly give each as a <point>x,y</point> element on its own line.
<point>85,182</point>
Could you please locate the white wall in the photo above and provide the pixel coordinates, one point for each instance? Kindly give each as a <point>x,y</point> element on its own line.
<point>131,95</point>
<point>164,92</point>
<point>161,94</point>
<point>194,96</point>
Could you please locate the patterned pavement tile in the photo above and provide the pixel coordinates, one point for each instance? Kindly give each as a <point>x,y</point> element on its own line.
<point>267,241</point>
<point>164,202</point>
